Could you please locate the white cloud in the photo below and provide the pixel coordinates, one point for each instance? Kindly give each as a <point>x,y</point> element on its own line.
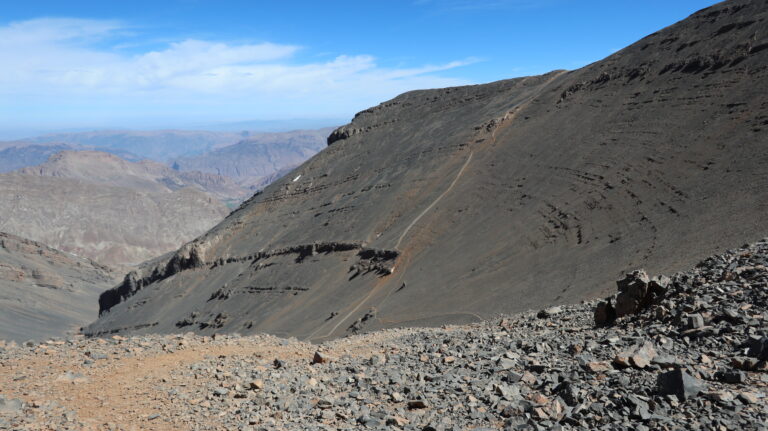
<point>196,56</point>
<point>56,30</point>
<point>74,64</point>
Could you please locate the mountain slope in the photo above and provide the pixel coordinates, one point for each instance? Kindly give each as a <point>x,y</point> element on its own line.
<point>451,205</point>
<point>260,159</point>
<point>20,156</point>
<point>96,205</point>
<point>44,292</point>
<point>107,169</point>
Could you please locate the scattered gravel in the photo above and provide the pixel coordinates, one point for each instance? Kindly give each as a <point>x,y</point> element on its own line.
<point>692,354</point>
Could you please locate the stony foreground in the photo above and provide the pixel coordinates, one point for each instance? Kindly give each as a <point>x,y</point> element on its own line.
<point>694,357</point>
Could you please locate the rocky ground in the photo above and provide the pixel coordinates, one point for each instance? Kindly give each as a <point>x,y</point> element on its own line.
<point>690,353</point>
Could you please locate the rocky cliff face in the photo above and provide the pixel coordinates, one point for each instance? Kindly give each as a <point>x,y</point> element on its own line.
<point>45,292</point>
<point>493,198</point>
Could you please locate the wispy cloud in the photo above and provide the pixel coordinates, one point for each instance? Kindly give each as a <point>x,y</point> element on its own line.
<point>77,62</point>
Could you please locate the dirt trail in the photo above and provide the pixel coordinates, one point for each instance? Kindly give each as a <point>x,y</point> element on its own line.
<point>426,210</point>
<point>119,390</point>
<point>123,389</point>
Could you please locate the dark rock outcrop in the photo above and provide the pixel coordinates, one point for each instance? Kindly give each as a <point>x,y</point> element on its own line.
<point>636,293</point>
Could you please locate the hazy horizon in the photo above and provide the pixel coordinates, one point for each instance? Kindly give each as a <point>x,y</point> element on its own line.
<point>255,126</point>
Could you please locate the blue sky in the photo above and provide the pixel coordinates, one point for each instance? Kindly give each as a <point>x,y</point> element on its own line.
<point>190,63</point>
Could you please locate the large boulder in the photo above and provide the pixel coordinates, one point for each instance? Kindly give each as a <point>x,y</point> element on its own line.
<point>633,291</point>
<point>678,382</point>
<point>637,291</point>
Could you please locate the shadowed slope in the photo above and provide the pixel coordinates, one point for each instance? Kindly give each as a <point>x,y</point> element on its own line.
<point>454,204</point>
<point>44,292</point>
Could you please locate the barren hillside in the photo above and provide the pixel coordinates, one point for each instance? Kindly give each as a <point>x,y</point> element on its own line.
<point>450,205</point>
<point>44,292</point>
<point>99,206</point>
<point>146,175</point>
<point>257,160</point>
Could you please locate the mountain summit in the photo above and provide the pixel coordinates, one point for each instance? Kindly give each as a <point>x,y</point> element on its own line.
<point>450,205</point>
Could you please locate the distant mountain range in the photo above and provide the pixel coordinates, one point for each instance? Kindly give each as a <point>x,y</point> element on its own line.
<point>274,126</point>
<point>18,155</point>
<point>148,176</point>
<point>159,145</point>
<point>257,160</point>
<point>23,155</point>
<point>252,160</point>
<point>100,206</point>
<point>134,198</point>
